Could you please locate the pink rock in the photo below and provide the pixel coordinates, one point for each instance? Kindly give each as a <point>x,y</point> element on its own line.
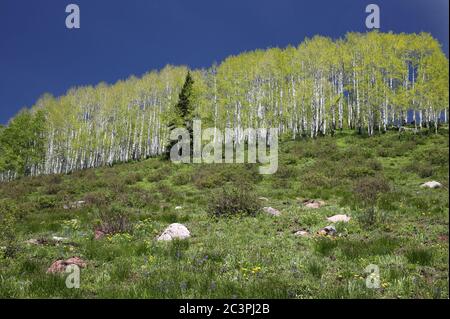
<point>57,266</point>
<point>61,265</point>
<point>76,261</point>
<point>98,234</point>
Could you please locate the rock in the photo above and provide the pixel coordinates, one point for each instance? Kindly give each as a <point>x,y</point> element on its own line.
<point>75,205</point>
<point>271,211</point>
<point>175,231</point>
<point>61,265</point>
<point>76,261</point>
<point>59,239</point>
<point>42,241</point>
<point>263,198</point>
<point>98,234</point>
<point>34,241</point>
<point>301,233</point>
<point>327,231</point>
<point>339,218</point>
<point>312,203</point>
<point>432,184</point>
<point>178,208</point>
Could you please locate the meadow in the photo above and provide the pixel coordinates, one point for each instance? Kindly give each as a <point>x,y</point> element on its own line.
<point>236,250</point>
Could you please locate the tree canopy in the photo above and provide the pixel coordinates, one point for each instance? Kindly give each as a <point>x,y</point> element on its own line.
<point>368,82</point>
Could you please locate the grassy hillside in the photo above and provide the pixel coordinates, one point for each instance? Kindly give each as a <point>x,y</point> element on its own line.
<point>395,224</point>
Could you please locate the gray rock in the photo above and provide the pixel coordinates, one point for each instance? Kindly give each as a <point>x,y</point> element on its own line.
<point>271,211</point>
<point>328,231</point>
<point>174,231</point>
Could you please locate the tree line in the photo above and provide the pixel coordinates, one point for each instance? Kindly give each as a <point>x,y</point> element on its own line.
<point>369,82</point>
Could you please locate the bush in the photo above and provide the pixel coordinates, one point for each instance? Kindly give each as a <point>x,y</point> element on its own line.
<point>421,169</point>
<point>8,240</point>
<point>132,178</point>
<point>113,221</point>
<point>182,178</point>
<point>367,189</point>
<point>138,198</point>
<point>158,175</point>
<point>212,176</point>
<point>97,198</point>
<point>47,201</point>
<point>234,200</point>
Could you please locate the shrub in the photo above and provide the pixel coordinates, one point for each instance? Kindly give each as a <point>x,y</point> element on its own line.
<point>234,200</point>
<point>8,240</point>
<point>138,198</point>
<point>421,169</point>
<point>158,175</point>
<point>132,178</point>
<point>113,221</point>
<point>97,198</point>
<point>366,192</point>
<point>211,176</point>
<point>166,191</point>
<point>367,189</point>
<point>46,201</point>
<point>182,178</point>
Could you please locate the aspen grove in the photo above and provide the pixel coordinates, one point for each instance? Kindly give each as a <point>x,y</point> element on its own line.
<point>368,82</point>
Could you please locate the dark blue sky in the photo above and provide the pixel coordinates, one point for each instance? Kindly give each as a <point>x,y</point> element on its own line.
<point>123,37</point>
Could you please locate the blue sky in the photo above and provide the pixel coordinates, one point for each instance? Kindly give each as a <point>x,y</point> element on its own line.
<point>119,38</point>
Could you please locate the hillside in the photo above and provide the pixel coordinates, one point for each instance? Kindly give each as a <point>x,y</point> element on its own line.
<point>369,82</point>
<point>395,224</point>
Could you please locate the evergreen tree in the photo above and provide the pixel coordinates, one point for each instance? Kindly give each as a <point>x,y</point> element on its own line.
<point>183,113</point>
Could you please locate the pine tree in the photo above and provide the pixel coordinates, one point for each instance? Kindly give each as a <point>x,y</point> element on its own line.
<point>183,113</point>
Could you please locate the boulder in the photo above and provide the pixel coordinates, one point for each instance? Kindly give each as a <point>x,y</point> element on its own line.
<point>339,218</point>
<point>61,265</point>
<point>174,231</point>
<point>432,184</point>
<point>271,211</point>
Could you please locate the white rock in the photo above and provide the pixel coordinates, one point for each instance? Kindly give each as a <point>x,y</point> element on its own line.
<point>432,184</point>
<point>175,231</point>
<point>59,238</point>
<point>178,208</point>
<point>272,211</point>
<point>339,218</point>
<point>33,241</point>
<point>301,233</point>
<point>264,199</point>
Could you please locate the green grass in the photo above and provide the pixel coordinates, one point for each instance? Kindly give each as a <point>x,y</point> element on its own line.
<point>403,230</point>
